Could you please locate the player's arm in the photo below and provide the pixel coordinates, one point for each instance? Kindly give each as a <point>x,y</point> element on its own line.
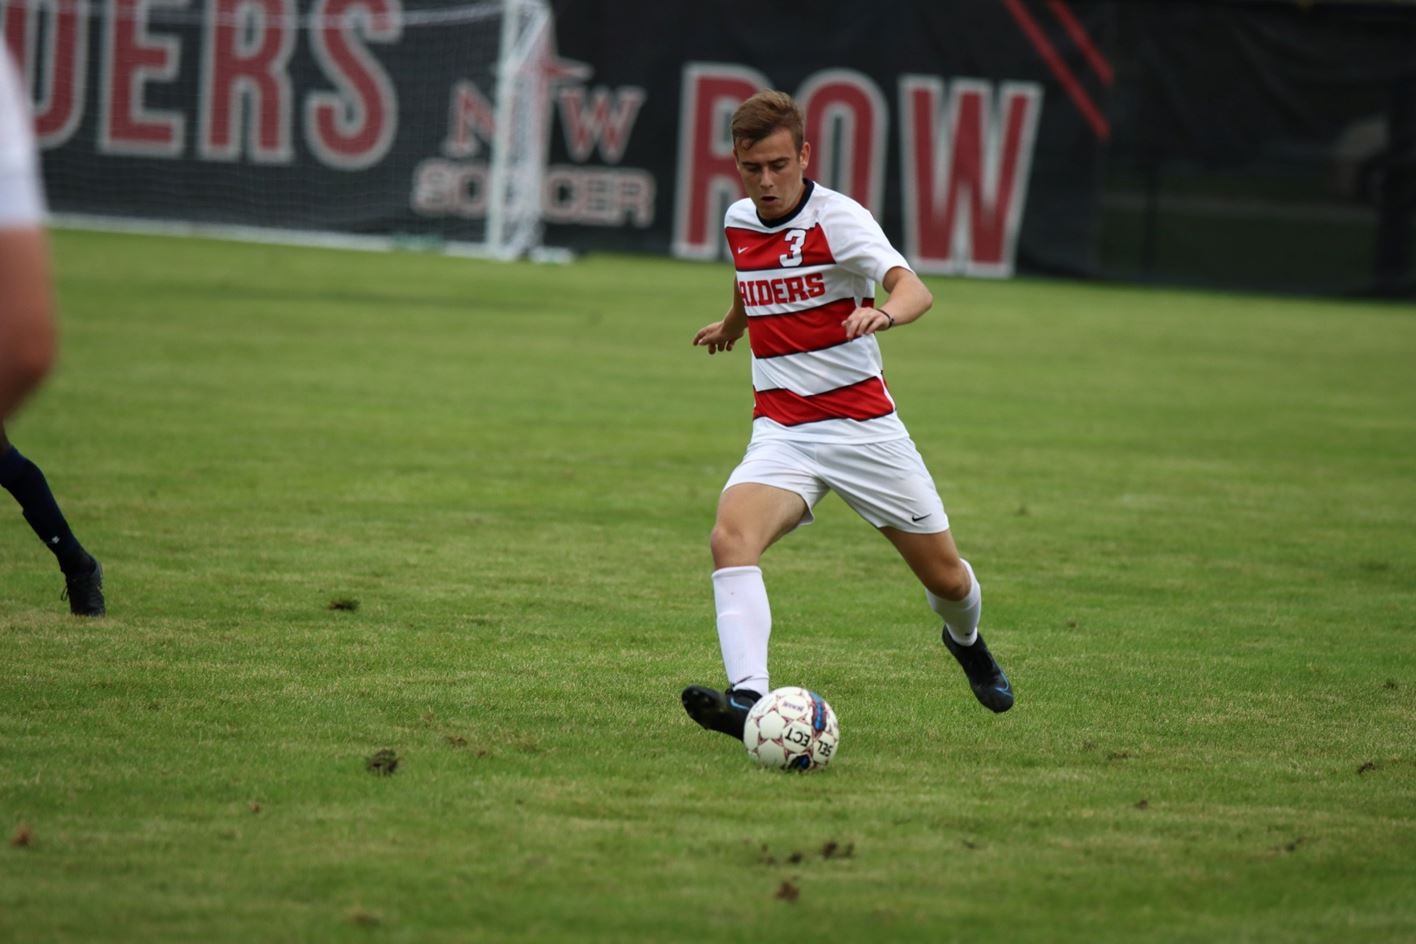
<point>27,335</point>
<point>909,299</point>
<point>722,335</point>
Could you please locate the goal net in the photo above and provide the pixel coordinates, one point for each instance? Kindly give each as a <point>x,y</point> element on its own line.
<point>365,122</point>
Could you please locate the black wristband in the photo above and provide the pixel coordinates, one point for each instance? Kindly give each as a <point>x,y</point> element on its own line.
<point>888,317</point>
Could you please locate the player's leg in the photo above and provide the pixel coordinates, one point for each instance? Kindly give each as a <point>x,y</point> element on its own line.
<point>888,485</point>
<point>770,492</point>
<point>751,517</point>
<point>949,583</point>
<point>953,592</point>
<point>83,577</point>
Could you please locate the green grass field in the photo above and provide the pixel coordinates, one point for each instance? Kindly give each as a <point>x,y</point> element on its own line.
<point>351,502</point>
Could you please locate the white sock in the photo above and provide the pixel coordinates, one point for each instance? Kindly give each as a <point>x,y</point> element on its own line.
<point>744,624</point>
<point>960,616</point>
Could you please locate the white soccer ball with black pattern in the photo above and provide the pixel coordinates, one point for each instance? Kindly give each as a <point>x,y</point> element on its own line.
<point>791,729</point>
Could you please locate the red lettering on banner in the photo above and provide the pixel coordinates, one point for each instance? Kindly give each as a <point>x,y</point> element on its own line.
<point>17,32</point>
<point>247,52</point>
<point>607,121</point>
<point>473,121</point>
<point>353,128</point>
<point>132,58</point>
<point>966,167</point>
<point>707,174</point>
<point>841,105</point>
<point>57,90</point>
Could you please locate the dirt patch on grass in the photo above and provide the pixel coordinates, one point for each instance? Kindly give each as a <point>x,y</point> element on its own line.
<point>830,849</point>
<point>362,918</point>
<point>382,763</point>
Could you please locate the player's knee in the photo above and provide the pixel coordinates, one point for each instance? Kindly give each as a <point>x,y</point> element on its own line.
<point>725,539</point>
<point>732,547</point>
<point>951,581</point>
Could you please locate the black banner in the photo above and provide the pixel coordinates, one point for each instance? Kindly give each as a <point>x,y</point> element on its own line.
<point>308,116</point>
<point>951,122</point>
<point>1252,144</point>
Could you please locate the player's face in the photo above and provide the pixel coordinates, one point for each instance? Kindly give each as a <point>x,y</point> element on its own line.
<point>774,172</point>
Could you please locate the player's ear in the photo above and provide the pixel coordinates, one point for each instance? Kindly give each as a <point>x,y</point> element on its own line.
<point>805,156</point>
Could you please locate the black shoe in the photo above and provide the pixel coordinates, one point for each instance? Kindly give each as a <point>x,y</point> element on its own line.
<point>719,711</point>
<point>83,588</point>
<point>990,686</point>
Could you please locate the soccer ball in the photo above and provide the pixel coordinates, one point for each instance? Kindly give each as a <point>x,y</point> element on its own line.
<point>791,729</point>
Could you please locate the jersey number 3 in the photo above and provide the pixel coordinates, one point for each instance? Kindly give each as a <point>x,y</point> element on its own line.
<point>796,238</point>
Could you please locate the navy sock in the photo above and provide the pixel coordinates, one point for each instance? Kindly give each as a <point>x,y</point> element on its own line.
<point>23,479</point>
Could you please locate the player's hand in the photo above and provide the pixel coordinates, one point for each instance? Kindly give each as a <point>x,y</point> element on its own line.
<point>716,337</point>
<point>864,321</point>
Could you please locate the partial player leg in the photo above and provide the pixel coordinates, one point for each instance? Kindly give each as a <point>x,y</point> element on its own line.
<point>751,517</point>
<point>953,592</point>
<point>83,577</point>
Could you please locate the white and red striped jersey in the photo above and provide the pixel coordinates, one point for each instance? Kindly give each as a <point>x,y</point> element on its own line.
<point>21,199</point>
<point>799,278</point>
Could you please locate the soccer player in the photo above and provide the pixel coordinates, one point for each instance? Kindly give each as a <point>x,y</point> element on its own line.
<point>807,261</point>
<point>27,338</point>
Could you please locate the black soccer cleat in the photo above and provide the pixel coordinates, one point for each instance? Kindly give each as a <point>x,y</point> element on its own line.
<point>719,711</point>
<point>83,588</point>
<point>990,686</point>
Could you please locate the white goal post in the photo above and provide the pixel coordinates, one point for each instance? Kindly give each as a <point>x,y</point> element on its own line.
<point>519,154</point>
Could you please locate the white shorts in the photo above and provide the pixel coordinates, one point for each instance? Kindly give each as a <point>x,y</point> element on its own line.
<point>886,483</point>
